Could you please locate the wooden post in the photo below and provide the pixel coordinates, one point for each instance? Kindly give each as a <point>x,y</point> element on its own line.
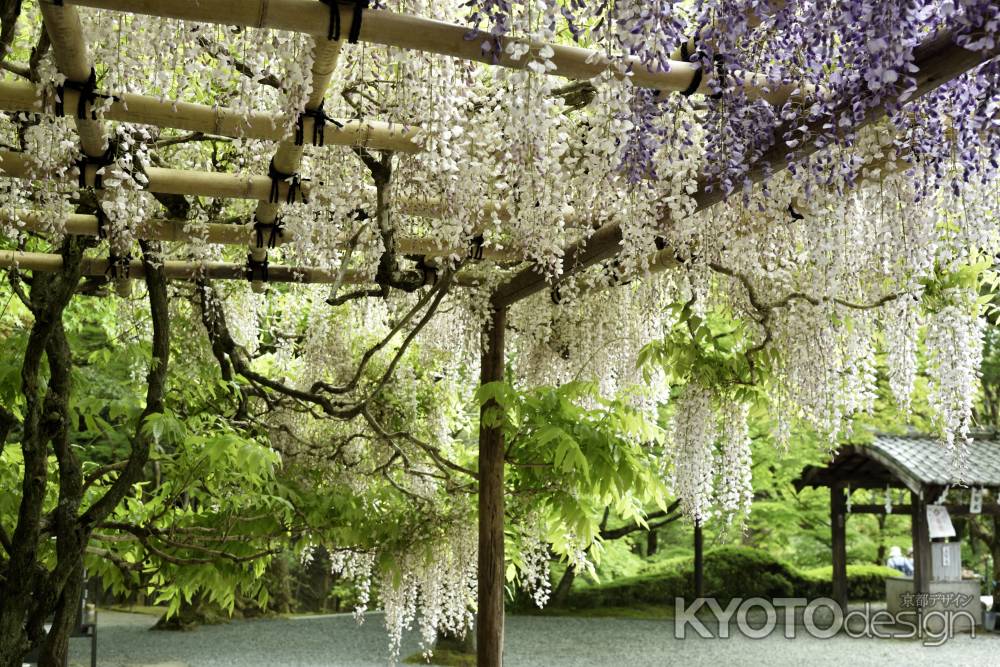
<point>489,626</point>
<point>838,520</point>
<point>921,544</point>
<point>699,561</point>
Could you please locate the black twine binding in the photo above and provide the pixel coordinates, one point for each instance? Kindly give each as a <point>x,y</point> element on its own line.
<point>720,74</point>
<point>795,214</point>
<point>275,231</point>
<point>476,247</point>
<point>320,119</point>
<point>99,162</point>
<point>118,266</point>
<point>294,185</point>
<point>88,95</point>
<point>256,271</point>
<point>333,31</point>
<point>694,85</point>
<point>429,273</point>
<point>555,294</point>
<point>359,7</point>
<point>102,223</point>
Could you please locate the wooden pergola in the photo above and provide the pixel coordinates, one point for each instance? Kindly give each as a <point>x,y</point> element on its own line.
<point>937,61</point>
<point>920,465</point>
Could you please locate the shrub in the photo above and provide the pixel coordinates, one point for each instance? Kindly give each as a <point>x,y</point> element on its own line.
<point>864,582</point>
<point>730,572</point>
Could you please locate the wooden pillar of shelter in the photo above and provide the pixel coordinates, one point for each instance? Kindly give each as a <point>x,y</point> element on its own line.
<point>489,626</point>
<point>699,561</point>
<point>838,542</point>
<point>921,543</point>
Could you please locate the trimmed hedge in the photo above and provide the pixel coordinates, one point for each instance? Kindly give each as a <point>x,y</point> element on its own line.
<point>864,582</point>
<point>730,572</point>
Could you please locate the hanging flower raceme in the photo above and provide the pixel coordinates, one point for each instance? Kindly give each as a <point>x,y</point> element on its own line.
<point>733,464</point>
<point>954,342</point>
<point>691,440</point>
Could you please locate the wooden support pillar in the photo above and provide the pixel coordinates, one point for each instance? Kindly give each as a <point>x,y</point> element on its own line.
<point>838,527</point>
<point>489,626</point>
<point>699,561</point>
<point>921,544</point>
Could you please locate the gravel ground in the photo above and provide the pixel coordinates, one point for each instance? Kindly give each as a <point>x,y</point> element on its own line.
<point>124,641</point>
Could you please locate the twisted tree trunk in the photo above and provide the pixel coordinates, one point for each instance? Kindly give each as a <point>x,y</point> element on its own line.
<point>30,594</point>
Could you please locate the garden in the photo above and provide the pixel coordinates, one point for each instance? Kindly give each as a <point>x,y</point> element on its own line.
<point>511,326</point>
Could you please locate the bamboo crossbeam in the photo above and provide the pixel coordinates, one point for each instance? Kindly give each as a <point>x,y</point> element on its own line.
<point>288,156</point>
<point>69,49</point>
<point>416,33</point>
<point>168,181</point>
<point>182,231</point>
<point>938,60</point>
<point>23,96</point>
<point>208,184</point>
<point>181,270</point>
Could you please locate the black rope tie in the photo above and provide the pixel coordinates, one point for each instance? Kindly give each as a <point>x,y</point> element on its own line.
<point>320,119</point>
<point>275,230</point>
<point>102,223</point>
<point>294,186</point>
<point>118,266</point>
<point>256,271</point>
<point>555,294</point>
<point>429,273</point>
<point>333,31</point>
<point>720,74</point>
<point>476,247</point>
<point>795,214</point>
<point>98,162</point>
<point>88,95</point>
<point>696,79</point>
<point>359,8</point>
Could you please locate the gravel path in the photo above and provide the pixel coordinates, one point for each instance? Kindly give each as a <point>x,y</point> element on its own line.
<point>124,641</point>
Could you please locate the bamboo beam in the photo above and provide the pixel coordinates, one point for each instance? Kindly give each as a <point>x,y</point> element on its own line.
<point>15,164</point>
<point>184,231</point>
<point>69,49</point>
<point>403,31</point>
<point>23,96</point>
<point>938,60</point>
<point>168,181</point>
<point>181,270</point>
<point>288,156</point>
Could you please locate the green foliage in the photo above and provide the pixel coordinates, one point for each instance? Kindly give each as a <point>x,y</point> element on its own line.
<point>713,349</point>
<point>864,582</point>
<point>730,572</point>
<point>573,454</point>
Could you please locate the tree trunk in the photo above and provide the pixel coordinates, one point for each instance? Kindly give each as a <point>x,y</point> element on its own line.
<point>563,587</point>
<point>55,648</point>
<point>652,542</point>
<point>490,621</point>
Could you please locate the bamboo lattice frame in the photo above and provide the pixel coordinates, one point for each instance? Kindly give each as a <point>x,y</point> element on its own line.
<point>938,59</point>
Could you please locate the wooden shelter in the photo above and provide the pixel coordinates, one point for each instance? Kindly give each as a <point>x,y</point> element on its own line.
<point>919,464</point>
